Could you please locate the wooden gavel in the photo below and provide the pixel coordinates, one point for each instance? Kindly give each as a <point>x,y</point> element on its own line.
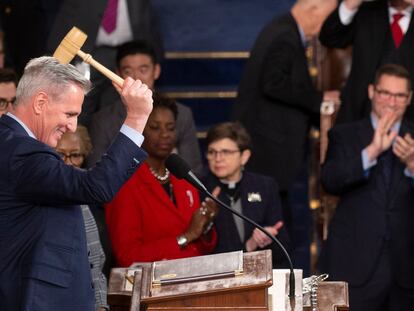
<point>71,46</point>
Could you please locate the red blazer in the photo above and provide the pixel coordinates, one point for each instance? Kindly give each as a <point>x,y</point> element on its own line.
<point>143,222</point>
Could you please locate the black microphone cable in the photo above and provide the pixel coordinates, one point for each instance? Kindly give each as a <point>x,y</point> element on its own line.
<point>180,169</point>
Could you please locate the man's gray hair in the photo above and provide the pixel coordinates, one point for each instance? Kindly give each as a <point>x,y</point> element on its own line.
<point>48,75</point>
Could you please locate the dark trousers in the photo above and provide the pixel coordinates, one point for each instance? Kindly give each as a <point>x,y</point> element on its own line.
<point>381,292</point>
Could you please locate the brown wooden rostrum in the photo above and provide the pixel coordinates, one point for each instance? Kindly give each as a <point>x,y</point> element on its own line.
<point>247,291</point>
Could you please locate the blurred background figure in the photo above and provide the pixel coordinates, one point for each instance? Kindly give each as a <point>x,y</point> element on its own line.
<point>8,84</point>
<point>108,24</point>
<point>277,99</point>
<point>255,196</point>
<point>137,59</point>
<point>370,166</point>
<point>74,148</point>
<point>277,103</point>
<point>379,32</point>
<point>155,216</point>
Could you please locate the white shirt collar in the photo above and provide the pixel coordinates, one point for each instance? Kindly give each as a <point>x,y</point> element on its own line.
<point>28,131</point>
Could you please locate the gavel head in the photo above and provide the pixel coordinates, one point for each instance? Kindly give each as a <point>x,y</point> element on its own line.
<point>70,45</point>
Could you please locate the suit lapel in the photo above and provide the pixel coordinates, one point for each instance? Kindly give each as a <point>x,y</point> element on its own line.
<point>398,166</point>
<point>248,208</point>
<point>301,46</point>
<point>407,46</point>
<point>134,10</point>
<point>365,132</point>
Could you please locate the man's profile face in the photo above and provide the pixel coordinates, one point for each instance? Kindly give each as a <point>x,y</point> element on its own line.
<point>7,96</point>
<point>139,66</point>
<point>58,116</point>
<point>390,95</point>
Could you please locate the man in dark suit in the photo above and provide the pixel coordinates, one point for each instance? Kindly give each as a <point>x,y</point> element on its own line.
<point>140,19</point>
<point>135,20</point>
<point>368,27</point>
<point>370,165</point>
<point>277,98</point>
<point>43,258</point>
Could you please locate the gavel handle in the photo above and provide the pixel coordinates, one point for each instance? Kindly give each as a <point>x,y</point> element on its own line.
<point>87,58</point>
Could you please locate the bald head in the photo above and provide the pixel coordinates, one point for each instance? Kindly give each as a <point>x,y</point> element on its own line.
<point>310,14</point>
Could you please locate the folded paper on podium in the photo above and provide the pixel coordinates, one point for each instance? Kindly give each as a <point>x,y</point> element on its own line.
<point>228,281</point>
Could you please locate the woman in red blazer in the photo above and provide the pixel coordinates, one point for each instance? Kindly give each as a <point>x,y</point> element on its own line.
<point>155,216</point>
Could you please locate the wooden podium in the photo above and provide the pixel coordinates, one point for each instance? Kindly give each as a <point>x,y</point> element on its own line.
<point>244,291</point>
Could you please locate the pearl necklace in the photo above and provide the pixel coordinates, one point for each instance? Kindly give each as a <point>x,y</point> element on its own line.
<point>159,177</point>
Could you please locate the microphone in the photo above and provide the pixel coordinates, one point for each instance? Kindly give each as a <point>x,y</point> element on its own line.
<point>180,169</point>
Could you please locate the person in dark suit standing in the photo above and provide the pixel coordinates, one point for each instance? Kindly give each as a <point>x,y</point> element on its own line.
<point>108,24</point>
<point>132,20</point>
<point>370,165</point>
<point>276,97</point>
<point>379,32</point>
<point>253,195</point>
<point>43,257</point>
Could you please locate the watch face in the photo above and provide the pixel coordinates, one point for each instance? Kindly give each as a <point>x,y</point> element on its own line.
<point>182,241</point>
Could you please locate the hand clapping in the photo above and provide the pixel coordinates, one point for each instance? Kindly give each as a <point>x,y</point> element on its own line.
<point>403,148</point>
<point>383,136</point>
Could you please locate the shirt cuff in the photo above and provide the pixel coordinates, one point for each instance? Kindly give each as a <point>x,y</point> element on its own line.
<point>407,173</point>
<point>366,163</point>
<point>346,15</point>
<point>132,134</point>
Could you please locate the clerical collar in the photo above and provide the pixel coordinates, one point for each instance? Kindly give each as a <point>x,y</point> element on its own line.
<point>231,184</point>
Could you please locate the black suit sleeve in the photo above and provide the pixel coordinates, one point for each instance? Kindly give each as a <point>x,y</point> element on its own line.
<point>285,76</point>
<point>334,34</point>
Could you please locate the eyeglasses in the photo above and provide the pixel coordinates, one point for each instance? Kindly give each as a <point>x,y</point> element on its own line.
<point>74,158</point>
<point>225,153</point>
<point>386,95</point>
<point>4,102</point>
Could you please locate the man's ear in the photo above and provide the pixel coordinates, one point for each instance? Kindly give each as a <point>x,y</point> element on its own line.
<point>157,71</point>
<point>371,91</point>
<point>39,102</point>
<point>409,97</point>
<point>245,156</point>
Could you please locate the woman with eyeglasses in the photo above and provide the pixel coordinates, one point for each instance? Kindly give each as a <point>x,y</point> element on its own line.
<point>255,196</point>
<point>73,148</point>
<point>8,84</point>
<point>156,216</point>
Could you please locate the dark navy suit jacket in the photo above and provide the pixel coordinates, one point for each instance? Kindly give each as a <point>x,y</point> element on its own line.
<point>369,216</point>
<point>43,256</point>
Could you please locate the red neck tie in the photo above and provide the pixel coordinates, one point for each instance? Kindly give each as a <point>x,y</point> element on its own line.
<point>396,30</point>
<point>109,17</point>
